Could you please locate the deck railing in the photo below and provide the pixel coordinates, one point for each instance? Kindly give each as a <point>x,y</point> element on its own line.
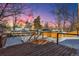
<point>64,34</point>
<point>33,34</point>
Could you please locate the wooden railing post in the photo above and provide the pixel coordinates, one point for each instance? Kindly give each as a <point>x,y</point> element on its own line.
<point>0,41</point>
<point>57,38</point>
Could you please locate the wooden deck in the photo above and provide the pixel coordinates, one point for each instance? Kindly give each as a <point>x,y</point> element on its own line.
<point>30,49</point>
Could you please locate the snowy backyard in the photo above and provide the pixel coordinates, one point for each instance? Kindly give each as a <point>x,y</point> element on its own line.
<point>68,41</point>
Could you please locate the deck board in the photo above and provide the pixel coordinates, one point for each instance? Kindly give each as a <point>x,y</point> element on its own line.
<point>30,49</point>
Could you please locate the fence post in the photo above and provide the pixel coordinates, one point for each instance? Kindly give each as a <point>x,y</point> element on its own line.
<point>77,32</point>
<point>57,38</point>
<point>42,35</point>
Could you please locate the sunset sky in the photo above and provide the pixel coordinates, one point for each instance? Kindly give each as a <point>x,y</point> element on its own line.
<point>44,11</point>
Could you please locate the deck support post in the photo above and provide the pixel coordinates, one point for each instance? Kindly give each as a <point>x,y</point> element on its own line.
<point>0,41</point>
<point>57,38</point>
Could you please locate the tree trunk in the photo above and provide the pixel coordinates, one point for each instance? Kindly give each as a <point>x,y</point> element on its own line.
<point>64,26</point>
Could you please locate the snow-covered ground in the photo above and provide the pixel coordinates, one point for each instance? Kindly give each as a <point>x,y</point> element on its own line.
<point>16,40</point>
<point>19,40</point>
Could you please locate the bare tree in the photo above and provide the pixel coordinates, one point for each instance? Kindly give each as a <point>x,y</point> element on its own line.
<point>13,10</point>
<point>7,10</point>
<point>57,13</point>
<point>77,22</point>
<point>46,25</point>
<point>16,9</point>
<point>65,14</point>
